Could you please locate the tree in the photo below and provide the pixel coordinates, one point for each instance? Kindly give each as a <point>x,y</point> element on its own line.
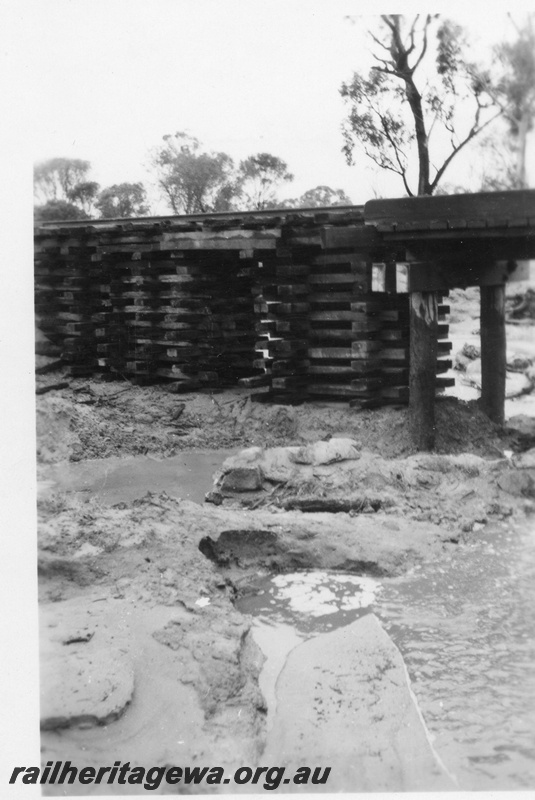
<point>324,196</point>
<point>84,194</point>
<point>261,174</point>
<point>318,197</point>
<point>58,210</point>
<point>516,90</point>
<point>397,108</point>
<point>123,200</point>
<point>56,178</point>
<point>193,180</point>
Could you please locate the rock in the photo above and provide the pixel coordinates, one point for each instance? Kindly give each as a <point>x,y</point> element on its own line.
<point>519,363</point>
<point>320,541</point>
<point>243,459</point>
<point>144,419</point>
<point>522,424</point>
<point>216,498</point>
<point>470,351</point>
<point>525,460</point>
<point>517,482</point>
<point>352,710</point>
<point>327,452</point>
<point>278,464</point>
<point>516,383</point>
<point>522,430</point>
<point>460,362</point>
<point>473,371</point>
<point>88,686</point>
<point>241,479</point>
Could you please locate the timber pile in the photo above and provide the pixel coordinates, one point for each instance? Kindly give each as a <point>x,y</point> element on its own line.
<point>151,300</point>
<point>282,302</point>
<point>324,331</point>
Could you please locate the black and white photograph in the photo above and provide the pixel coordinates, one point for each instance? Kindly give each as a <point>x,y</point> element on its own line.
<point>281,371</point>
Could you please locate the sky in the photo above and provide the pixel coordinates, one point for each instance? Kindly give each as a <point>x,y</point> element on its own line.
<point>104,80</point>
<point>109,79</point>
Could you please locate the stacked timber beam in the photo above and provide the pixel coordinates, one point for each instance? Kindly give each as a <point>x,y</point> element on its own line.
<point>324,330</point>
<point>150,300</point>
<point>282,301</point>
<point>456,241</point>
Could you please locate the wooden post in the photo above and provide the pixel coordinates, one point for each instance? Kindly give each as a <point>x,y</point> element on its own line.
<point>422,372</point>
<point>493,355</point>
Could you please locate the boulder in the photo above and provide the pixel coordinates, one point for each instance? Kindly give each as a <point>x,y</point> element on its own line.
<point>327,452</point>
<point>525,460</point>
<point>522,424</point>
<point>518,482</point>
<point>91,686</point>
<point>352,709</point>
<point>241,479</point>
<point>278,464</point>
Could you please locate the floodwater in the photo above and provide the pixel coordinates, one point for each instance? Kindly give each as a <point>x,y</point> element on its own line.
<point>466,630</point>
<point>291,608</point>
<point>465,627</point>
<point>187,476</point>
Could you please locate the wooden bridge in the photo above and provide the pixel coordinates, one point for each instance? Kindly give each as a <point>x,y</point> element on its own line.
<point>341,302</point>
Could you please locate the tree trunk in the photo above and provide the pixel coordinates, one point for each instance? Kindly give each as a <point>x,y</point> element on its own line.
<point>415,101</point>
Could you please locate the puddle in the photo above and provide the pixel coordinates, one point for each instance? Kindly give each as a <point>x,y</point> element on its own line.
<point>187,476</point>
<point>466,630</point>
<point>313,602</point>
<point>291,608</point>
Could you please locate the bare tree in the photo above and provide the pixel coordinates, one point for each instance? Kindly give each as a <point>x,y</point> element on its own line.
<point>404,101</point>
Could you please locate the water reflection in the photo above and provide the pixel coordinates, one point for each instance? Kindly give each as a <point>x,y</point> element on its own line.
<point>313,601</point>
<point>466,629</point>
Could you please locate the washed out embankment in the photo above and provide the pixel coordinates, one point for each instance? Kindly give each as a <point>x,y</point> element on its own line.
<point>128,592</point>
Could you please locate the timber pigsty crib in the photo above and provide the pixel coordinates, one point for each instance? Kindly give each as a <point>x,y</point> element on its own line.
<point>340,302</point>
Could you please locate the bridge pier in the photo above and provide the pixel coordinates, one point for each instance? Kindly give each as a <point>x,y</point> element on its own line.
<point>423,365</point>
<point>493,352</point>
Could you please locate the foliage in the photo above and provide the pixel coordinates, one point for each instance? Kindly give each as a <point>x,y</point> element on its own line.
<point>318,197</point>
<point>517,84</point>
<point>192,180</point>
<point>399,106</point>
<point>58,210</point>
<point>123,200</point>
<point>260,175</point>
<point>84,194</point>
<point>56,178</point>
<point>324,196</point>
<point>516,92</point>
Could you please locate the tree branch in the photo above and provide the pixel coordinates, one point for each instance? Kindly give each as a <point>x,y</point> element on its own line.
<point>474,131</point>
<point>379,42</point>
<point>424,44</point>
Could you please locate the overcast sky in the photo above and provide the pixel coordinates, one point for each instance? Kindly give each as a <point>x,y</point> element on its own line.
<point>109,79</point>
<point>104,80</point>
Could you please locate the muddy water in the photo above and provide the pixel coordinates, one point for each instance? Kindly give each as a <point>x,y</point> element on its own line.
<point>290,608</point>
<point>187,476</point>
<point>466,630</point>
<point>466,627</point>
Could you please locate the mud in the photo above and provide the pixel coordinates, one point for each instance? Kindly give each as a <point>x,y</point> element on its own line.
<point>147,656</point>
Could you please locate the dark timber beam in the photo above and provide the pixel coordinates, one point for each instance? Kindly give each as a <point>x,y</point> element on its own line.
<point>422,371</point>
<point>493,352</point>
